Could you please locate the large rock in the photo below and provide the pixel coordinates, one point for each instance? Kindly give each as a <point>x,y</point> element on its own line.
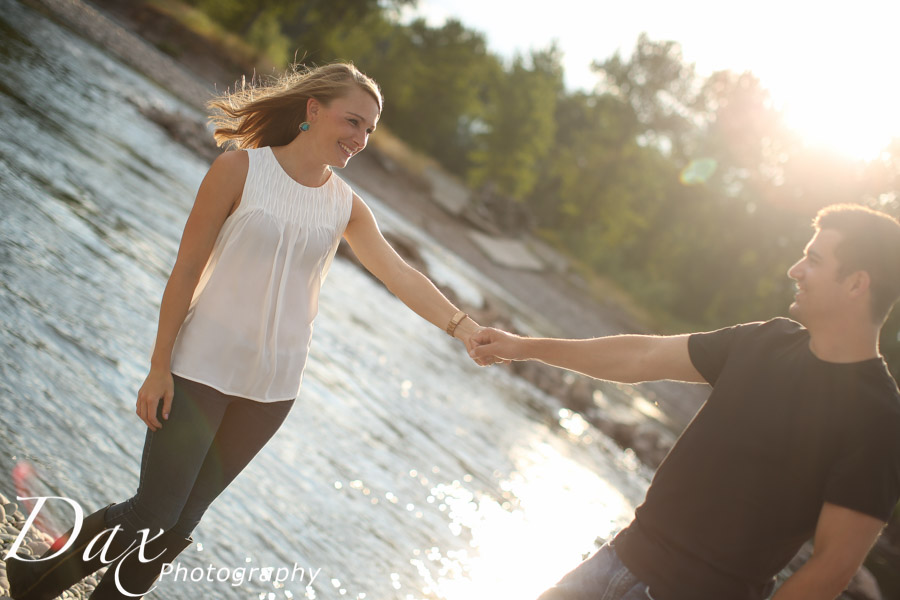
<point>550,256</point>
<point>507,252</point>
<point>447,192</point>
<point>184,129</point>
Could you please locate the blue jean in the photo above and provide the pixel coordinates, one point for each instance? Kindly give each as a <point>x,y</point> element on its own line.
<point>207,440</point>
<point>601,577</point>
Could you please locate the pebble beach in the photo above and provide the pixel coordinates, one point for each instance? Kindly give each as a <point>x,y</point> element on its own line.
<point>35,543</point>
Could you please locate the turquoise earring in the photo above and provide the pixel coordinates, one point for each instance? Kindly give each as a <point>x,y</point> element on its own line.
<point>304,126</point>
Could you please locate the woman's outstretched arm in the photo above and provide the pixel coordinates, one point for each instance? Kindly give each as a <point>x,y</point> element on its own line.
<point>405,282</point>
<point>218,196</point>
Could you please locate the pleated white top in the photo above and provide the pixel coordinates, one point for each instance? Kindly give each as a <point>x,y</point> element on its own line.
<point>249,325</point>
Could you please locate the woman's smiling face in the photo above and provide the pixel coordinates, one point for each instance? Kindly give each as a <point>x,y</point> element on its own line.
<point>342,128</point>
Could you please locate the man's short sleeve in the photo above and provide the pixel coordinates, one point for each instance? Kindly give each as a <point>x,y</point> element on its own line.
<point>709,351</point>
<point>867,477</point>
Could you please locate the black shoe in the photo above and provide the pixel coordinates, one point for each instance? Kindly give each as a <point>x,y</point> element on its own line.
<point>46,579</point>
<point>137,577</point>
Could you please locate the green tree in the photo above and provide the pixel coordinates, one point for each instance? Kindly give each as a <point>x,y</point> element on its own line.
<point>435,81</point>
<point>662,89</point>
<point>298,19</point>
<point>279,27</point>
<point>519,125</point>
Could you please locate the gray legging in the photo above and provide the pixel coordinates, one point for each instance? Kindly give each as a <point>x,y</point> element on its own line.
<point>207,440</point>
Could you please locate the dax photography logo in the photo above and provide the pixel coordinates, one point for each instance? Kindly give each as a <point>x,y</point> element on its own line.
<point>100,546</point>
<point>106,546</point>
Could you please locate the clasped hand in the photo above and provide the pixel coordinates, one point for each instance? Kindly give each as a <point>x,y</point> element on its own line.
<point>489,346</point>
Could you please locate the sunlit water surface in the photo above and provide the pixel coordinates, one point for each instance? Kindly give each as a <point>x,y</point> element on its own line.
<point>403,471</point>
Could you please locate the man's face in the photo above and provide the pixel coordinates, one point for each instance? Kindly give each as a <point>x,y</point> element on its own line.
<point>820,293</point>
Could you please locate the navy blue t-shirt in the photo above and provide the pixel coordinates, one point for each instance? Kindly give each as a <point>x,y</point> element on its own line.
<point>782,433</point>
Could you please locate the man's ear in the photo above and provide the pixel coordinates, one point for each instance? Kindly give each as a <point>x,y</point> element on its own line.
<point>859,283</point>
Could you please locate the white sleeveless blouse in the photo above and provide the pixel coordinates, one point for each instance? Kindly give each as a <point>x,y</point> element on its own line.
<point>249,325</point>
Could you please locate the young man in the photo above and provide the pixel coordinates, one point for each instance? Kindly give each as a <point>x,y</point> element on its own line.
<point>799,438</point>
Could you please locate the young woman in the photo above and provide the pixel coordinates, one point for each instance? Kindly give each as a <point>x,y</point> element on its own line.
<point>236,318</point>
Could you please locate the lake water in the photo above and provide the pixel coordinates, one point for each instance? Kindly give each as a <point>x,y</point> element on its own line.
<point>403,472</point>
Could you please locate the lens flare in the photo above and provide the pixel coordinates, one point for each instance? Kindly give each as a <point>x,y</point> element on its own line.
<point>698,171</point>
<point>28,485</point>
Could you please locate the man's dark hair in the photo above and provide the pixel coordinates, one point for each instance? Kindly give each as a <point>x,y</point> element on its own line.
<point>870,242</point>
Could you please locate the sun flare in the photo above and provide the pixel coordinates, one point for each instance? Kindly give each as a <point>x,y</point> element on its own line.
<point>843,118</point>
<point>559,508</point>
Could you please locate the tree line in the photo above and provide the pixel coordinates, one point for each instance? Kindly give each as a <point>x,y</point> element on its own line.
<point>690,191</point>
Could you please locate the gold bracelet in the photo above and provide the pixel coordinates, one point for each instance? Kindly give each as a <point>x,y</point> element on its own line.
<point>455,321</point>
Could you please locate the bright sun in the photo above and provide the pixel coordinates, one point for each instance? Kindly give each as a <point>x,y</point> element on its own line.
<point>854,116</point>
<point>830,68</point>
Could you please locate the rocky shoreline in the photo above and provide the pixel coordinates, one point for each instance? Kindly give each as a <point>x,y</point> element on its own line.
<point>35,543</point>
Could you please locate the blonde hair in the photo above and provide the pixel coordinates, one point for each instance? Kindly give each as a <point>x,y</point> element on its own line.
<point>270,114</point>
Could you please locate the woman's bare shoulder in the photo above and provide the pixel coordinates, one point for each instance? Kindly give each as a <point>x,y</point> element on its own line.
<point>232,160</point>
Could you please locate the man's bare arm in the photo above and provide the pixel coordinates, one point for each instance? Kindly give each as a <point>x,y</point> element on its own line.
<point>843,539</point>
<point>623,358</point>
